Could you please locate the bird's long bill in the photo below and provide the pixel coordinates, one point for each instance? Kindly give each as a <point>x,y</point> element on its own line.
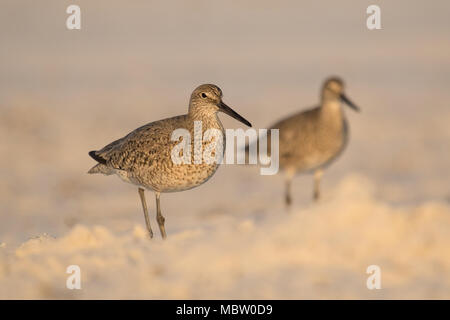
<point>226,109</point>
<point>349,102</point>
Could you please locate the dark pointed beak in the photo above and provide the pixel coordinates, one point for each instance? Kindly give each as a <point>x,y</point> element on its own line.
<point>226,109</point>
<point>349,102</point>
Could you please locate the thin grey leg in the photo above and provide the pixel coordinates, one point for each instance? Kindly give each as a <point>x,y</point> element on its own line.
<point>159,217</point>
<point>317,176</point>
<point>288,198</point>
<point>144,206</point>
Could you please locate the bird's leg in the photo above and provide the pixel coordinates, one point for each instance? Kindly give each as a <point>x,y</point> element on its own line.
<point>317,176</point>
<point>159,217</point>
<point>144,206</point>
<point>288,198</point>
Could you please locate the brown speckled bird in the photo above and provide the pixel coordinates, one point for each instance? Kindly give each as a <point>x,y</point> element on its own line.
<point>143,157</point>
<point>310,140</point>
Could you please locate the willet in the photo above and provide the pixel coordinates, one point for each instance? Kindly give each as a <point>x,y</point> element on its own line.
<point>310,140</point>
<point>143,157</point>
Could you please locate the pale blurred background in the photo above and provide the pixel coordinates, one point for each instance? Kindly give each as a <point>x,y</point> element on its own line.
<point>64,93</point>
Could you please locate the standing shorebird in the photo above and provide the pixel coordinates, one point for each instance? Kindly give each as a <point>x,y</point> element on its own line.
<point>310,140</point>
<point>144,156</point>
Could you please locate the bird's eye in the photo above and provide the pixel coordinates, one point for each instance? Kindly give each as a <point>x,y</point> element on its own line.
<point>204,95</point>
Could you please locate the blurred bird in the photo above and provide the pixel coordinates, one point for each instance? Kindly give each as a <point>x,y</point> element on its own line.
<point>310,140</point>
<point>143,157</point>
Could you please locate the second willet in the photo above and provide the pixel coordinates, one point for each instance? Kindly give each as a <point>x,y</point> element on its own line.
<point>144,156</point>
<point>310,140</point>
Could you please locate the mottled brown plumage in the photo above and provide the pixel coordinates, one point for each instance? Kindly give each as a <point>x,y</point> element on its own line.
<point>143,157</point>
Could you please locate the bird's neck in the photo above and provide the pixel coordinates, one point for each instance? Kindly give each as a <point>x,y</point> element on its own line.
<point>331,111</point>
<point>208,118</point>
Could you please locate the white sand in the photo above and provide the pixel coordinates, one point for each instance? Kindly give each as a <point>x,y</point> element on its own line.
<point>319,252</point>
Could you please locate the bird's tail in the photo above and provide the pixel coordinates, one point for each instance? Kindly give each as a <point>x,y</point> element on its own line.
<point>101,168</point>
<point>96,157</point>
